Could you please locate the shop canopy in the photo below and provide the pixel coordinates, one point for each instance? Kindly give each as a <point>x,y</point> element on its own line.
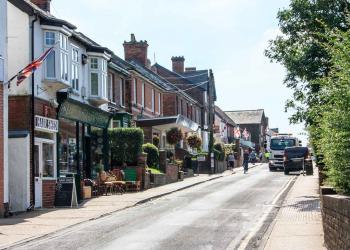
<point>165,123</point>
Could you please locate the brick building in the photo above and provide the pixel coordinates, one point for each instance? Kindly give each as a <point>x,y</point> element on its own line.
<point>200,85</point>
<point>223,127</point>
<point>254,121</point>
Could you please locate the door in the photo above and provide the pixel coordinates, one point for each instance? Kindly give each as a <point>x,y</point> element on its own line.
<point>38,174</point>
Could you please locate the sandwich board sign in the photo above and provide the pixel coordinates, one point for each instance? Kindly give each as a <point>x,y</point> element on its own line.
<point>66,192</point>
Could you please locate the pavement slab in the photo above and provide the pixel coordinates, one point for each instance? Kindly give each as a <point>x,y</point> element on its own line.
<point>298,224</point>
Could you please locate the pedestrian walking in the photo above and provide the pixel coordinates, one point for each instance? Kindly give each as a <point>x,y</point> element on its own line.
<point>267,156</point>
<point>245,161</point>
<point>260,156</point>
<point>231,161</point>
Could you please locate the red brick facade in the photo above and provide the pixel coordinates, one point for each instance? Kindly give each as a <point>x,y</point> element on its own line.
<point>136,51</point>
<point>178,64</point>
<point>48,195</point>
<point>20,119</point>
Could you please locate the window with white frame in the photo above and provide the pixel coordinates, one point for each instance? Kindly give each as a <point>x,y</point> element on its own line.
<point>98,77</point>
<point>75,69</point>
<point>111,89</point>
<point>143,95</point>
<point>64,57</point>
<point>159,101</point>
<point>50,62</point>
<point>122,92</point>
<point>153,100</point>
<point>135,91</point>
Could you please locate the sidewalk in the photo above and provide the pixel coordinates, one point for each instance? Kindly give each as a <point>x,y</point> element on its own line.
<point>27,226</point>
<point>298,224</point>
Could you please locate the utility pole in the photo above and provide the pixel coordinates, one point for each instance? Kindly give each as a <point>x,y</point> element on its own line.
<point>211,119</point>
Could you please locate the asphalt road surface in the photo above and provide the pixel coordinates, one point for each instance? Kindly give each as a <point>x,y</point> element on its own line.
<point>220,214</point>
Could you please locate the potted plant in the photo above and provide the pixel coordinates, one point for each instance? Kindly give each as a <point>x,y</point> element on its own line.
<point>194,141</point>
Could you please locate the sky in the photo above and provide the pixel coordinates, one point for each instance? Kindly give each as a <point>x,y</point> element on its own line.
<point>227,36</point>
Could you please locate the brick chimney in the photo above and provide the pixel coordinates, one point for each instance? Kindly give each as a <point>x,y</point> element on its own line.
<point>42,4</point>
<point>136,50</point>
<point>178,64</point>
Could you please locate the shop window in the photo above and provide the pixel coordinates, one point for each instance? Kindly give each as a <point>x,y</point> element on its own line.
<point>48,160</point>
<point>67,155</point>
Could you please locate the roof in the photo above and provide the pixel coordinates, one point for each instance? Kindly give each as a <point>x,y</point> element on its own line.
<point>224,116</point>
<point>198,77</point>
<point>247,116</point>
<point>150,75</point>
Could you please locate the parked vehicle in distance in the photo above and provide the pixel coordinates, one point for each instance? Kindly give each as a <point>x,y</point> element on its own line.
<point>295,158</point>
<point>277,144</point>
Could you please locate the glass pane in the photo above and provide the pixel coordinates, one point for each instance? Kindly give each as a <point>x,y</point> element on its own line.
<point>50,65</point>
<point>93,63</point>
<point>67,153</point>
<point>50,38</point>
<point>48,160</point>
<point>36,160</point>
<point>94,84</point>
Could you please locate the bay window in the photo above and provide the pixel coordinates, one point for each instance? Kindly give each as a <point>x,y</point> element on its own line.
<point>98,78</point>
<point>57,62</point>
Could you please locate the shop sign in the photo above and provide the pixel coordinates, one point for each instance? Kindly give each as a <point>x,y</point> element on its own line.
<point>46,124</point>
<point>66,195</point>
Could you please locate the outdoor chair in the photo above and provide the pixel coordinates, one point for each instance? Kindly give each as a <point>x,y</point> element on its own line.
<point>131,182</point>
<point>105,186</point>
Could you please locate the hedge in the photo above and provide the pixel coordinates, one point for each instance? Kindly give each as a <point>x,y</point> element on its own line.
<point>219,152</point>
<point>125,145</point>
<point>152,155</point>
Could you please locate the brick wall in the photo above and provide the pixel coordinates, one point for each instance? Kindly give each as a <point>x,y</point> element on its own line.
<point>48,195</point>
<point>169,104</point>
<point>171,173</point>
<point>336,221</point>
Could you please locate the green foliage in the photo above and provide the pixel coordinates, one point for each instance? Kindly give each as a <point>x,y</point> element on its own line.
<point>152,154</point>
<point>300,50</point>
<point>330,136</point>
<point>194,141</point>
<point>155,141</point>
<point>125,145</point>
<point>154,170</point>
<point>174,136</point>
<point>219,152</point>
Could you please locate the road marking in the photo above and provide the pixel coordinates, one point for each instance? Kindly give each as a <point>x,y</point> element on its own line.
<point>257,227</point>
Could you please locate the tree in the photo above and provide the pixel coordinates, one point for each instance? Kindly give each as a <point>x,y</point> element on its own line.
<point>300,49</point>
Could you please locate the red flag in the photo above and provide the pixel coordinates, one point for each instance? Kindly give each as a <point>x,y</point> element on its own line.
<point>30,68</point>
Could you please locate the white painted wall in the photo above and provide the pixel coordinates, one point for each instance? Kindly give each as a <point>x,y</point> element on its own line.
<point>19,166</point>
<point>18,47</point>
<point>3,53</point>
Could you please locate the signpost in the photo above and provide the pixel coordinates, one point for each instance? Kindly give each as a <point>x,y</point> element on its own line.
<point>66,193</point>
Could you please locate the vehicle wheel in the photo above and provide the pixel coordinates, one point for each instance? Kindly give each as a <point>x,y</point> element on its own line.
<point>271,169</point>
<point>286,172</point>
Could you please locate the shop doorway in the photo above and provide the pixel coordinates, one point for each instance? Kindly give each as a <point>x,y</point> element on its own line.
<point>44,166</point>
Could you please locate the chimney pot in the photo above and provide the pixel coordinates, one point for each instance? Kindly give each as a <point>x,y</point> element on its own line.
<point>42,4</point>
<point>178,64</point>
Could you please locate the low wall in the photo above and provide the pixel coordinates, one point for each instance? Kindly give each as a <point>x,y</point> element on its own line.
<point>147,181</point>
<point>171,172</point>
<point>221,166</point>
<point>336,220</point>
<point>159,179</point>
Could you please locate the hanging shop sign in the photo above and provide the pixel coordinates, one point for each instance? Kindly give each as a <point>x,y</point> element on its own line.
<point>46,124</point>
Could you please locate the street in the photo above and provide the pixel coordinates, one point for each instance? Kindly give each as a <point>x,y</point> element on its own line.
<point>214,215</point>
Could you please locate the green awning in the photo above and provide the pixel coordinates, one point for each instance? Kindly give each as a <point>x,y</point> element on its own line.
<point>80,112</point>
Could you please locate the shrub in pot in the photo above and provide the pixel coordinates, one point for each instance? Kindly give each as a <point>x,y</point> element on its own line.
<point>174,136</point>
<point>194,141</point>
<point>152,154</point>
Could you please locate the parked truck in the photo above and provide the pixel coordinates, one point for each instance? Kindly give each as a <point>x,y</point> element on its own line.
<point>276,147</point>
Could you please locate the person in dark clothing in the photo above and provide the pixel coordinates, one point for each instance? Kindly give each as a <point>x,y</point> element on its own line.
<point>245,161</point>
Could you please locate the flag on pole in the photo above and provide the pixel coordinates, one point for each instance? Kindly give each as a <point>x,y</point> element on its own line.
<point>30,68</point>
<point>237,132</point>
<point>245,134</point>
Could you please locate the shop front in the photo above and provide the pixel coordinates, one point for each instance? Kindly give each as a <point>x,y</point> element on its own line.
<point>82,141</point>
